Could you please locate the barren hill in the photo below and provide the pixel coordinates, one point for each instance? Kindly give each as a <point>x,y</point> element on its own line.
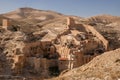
<point>103,67</point>
<point>28,18</point>
<point>31,15</point>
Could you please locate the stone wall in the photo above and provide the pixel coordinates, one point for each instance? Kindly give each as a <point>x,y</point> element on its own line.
<point>38,65</point>
<point>18,64</point>
<point>33,49</point>
<point>79,59</point>
<point>63,65</point>
<point>73,26</point>
<point>89,45</point>
<point>70,21</point>
<point>98,35</point>
<point>87,58</point>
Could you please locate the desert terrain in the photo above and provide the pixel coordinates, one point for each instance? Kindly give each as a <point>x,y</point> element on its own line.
<point>43,44</point>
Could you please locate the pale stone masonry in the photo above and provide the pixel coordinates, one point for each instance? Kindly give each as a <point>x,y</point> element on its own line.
<point>6,23</point>
<point>75,46</point>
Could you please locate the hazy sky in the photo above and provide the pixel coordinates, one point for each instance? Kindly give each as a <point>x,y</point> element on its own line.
<point>83,8</point>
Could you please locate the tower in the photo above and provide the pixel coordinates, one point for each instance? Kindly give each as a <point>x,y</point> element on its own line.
<point>5,23</point>
<point>70,21</point>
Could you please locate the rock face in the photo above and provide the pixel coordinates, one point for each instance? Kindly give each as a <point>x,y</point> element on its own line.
<point>103,67</point>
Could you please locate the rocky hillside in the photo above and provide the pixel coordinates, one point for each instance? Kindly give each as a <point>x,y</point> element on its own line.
<point>30,25</point>
<point>108,26</point>
<point>103,67</point>
<point>30,19</point>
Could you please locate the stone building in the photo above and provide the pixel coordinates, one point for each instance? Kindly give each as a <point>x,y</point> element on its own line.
<point>73,50</point>
<point>76,52</point>
<point>49,55</point>
<point>41,56</point>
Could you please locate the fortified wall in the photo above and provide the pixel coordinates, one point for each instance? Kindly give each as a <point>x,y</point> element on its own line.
<point>99,36</point>
<point>81,46</point>
<point>45,58</point>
